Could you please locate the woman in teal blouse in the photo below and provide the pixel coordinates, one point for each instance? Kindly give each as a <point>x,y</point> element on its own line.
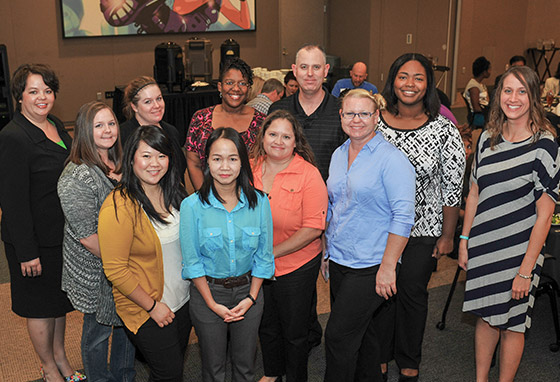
<point>226,240</point>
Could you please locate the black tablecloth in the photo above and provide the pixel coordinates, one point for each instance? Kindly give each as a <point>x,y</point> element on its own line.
<point>179,107</point>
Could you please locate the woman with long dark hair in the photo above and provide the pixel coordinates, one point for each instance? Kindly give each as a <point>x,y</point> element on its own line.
<point>284,167</point>
<point>514,187</point>
<point>226,239</point>
<point>433,145</point>
<point>92,171</point>
<point>139,242</point>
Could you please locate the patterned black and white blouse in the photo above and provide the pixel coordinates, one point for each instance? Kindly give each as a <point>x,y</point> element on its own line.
<point>437,153</point>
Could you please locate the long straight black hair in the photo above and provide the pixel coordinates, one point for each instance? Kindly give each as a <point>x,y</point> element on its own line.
<point>245,178</point>
<point>430,101</point>
<point>130,186</point>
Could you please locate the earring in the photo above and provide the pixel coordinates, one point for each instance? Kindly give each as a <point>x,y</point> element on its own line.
<point>220,95</point>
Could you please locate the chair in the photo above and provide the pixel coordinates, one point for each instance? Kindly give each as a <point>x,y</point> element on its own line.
<point>470,115</point>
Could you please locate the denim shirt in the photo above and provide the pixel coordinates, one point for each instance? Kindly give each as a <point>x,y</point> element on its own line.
<point>220,244</point>
<point>369,200</point>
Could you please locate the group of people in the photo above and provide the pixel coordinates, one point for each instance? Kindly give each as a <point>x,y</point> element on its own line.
<point>365,190</point>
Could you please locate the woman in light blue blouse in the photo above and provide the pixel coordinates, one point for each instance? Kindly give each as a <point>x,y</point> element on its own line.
<point>370,216</point>
<point>226,240</point>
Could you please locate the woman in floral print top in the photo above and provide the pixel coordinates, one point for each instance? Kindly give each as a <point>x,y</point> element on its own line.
<point>235,80</point>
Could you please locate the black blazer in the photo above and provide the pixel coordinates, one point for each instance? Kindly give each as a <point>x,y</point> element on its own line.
<point>128,127</point>
<point>30,165</point>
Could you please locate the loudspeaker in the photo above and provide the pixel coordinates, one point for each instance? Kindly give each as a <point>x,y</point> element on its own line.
<point>6,105</point>
<point>229,48</point>
<point>169,68</point>
<point>198,58</point>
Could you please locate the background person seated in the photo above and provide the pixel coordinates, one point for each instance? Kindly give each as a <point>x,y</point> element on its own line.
<point>552,84</point>
<point>291,83</point>
<point>272,91</point>
<point>476,93</point>
<point>358,76</point>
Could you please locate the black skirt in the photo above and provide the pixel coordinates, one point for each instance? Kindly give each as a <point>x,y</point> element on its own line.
<point>38,297</point>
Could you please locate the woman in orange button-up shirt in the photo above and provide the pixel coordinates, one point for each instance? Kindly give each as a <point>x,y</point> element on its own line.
<point>283,167</point>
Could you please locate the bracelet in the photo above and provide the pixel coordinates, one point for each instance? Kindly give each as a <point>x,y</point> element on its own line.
<point>524,276</point>
<point>252,299</point>
<point>152,308</point>
<point>463,237</point>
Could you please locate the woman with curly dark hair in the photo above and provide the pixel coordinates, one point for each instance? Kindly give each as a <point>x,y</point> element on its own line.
<point>235,80</point>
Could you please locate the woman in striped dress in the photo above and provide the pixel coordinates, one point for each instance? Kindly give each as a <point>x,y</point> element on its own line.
<point>514,185</point>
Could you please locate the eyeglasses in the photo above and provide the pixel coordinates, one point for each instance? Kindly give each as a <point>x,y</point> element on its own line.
<point>364,115</point>
<point>241,84</point>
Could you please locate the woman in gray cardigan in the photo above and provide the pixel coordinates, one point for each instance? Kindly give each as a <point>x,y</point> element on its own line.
<point>93,169</point>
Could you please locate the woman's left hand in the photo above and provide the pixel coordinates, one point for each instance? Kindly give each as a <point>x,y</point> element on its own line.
<point>386,282</point>
<point>31,268</point>
<point>444,246</point>
<point>520,288</point>
<point>239,310</point>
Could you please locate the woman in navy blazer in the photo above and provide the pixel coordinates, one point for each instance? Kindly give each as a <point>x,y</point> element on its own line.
<point>33,149</point>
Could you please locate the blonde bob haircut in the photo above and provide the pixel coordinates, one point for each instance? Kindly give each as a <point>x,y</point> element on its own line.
<point>377,99</point>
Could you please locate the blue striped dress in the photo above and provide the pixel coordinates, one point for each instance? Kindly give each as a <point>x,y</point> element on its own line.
<point>510,178</point>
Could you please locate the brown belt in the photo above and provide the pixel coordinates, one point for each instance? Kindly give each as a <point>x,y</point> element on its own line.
<point>231,282</point>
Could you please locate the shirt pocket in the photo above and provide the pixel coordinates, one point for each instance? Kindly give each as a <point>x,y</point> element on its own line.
<point>250,239</point>
<point>212,239</point>
<point>291,197</point>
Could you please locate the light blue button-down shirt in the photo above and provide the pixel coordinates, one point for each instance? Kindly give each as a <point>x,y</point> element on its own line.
<point>369,200</point>
<point>221,244</point>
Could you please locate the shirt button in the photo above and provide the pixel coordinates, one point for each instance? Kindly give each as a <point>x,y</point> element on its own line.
<point>231,241</point>
<point>229,221</point>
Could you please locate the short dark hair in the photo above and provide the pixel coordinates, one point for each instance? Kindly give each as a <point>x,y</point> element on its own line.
<point>289,76</point>
<point>430,101</point>
<point>19,80</point>
<point>515,59</point>
<point>171,185</point>
<point>238,64</point>
<point>245,178</point>
<point>131,93</point>
<point>480,65</point>
<point>83,146</point>
<point>271,85</point>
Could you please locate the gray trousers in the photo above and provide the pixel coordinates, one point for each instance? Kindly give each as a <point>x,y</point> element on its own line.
<point>212,334</point>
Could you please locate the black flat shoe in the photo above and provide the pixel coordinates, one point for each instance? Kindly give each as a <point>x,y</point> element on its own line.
<point>406,378</point>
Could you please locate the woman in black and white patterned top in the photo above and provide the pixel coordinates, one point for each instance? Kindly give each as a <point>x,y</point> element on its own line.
<point>433,145</point>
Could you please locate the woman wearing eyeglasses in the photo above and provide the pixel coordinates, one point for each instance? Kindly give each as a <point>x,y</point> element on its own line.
<point>235,80</point>
<point>370,216</point>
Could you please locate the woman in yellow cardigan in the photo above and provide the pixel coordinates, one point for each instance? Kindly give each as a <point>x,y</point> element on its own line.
<point>140,248</point>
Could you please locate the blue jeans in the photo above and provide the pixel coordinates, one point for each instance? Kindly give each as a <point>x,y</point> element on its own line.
<point>95,346</point>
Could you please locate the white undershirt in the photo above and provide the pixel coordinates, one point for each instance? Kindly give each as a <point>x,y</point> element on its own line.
<point>175,289</point>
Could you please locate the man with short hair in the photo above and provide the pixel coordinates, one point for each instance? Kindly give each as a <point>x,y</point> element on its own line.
<point>514,61</point>
<point>314,108</point>
<point>317,112</point>
<point>358,76</point>
<point>272,91</point>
